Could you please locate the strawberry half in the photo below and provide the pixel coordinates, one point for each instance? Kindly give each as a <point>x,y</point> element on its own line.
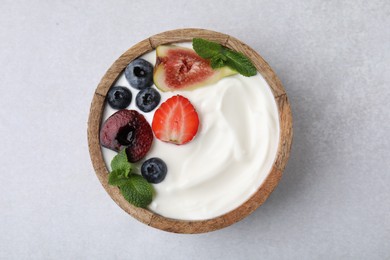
<point>175,121</point>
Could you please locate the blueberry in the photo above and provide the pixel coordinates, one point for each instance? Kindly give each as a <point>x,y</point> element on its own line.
<point>119,97</point>
<point>139,73</point>
<point>154,170</point>
<point>147,99</point>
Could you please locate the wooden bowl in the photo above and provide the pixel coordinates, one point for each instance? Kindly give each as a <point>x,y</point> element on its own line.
<point>180,226</point>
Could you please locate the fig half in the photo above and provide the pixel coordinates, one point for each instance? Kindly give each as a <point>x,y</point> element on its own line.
<point>179,68</point>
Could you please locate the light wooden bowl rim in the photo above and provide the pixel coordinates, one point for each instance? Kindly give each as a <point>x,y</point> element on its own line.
<point>271,181</point>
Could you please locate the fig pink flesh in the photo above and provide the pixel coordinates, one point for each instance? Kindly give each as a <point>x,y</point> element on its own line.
<point>185,68</point>
<point>179,68</point>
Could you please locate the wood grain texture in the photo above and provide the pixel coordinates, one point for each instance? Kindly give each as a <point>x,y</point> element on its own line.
<point>270,183</point>
<point>182,35</point>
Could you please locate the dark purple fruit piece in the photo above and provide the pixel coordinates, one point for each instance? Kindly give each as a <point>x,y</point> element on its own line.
<point>127,129</point>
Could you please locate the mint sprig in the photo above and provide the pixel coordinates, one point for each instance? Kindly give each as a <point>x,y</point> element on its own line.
<point>206,49</point>
<point>218,61</point>
<point>221,56</point>
<point>137,191</point>
<point>117,178</point>
<point>120,162</point>
<point>240,63</point>
<point>134,188</point>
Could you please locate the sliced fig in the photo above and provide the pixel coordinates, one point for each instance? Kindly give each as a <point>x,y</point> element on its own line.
<point>179,68</point>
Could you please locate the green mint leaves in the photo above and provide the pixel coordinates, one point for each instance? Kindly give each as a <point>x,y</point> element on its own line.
<point>221,56</point>
<point>120,162</point>
<point>134,188</point>
<point>240,63</point>
<point>117,178</point>
<point>206,49</point>
<point>137,191</point>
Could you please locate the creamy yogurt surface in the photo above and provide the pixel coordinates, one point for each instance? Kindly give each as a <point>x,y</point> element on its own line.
<point>229,158</point>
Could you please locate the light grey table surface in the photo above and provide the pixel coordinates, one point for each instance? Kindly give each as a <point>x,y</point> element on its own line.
<point>333,58</point>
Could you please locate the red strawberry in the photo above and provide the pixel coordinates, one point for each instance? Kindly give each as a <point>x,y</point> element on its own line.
<point>175,121</point>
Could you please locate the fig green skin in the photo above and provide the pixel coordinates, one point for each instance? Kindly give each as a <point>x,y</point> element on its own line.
<point>193,79</point>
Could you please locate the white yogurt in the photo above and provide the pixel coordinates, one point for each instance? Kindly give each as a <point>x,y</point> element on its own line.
<point>229,158</point>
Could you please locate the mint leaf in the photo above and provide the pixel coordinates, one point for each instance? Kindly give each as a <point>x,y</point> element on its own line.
<point>240,63</point>
<point>218,61</point>
<point>120,162</point>
<point>206,49</point>
<point>137,191</point>
<point>117,178</point>
<point>134,188</point>
<point>220,56</point>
